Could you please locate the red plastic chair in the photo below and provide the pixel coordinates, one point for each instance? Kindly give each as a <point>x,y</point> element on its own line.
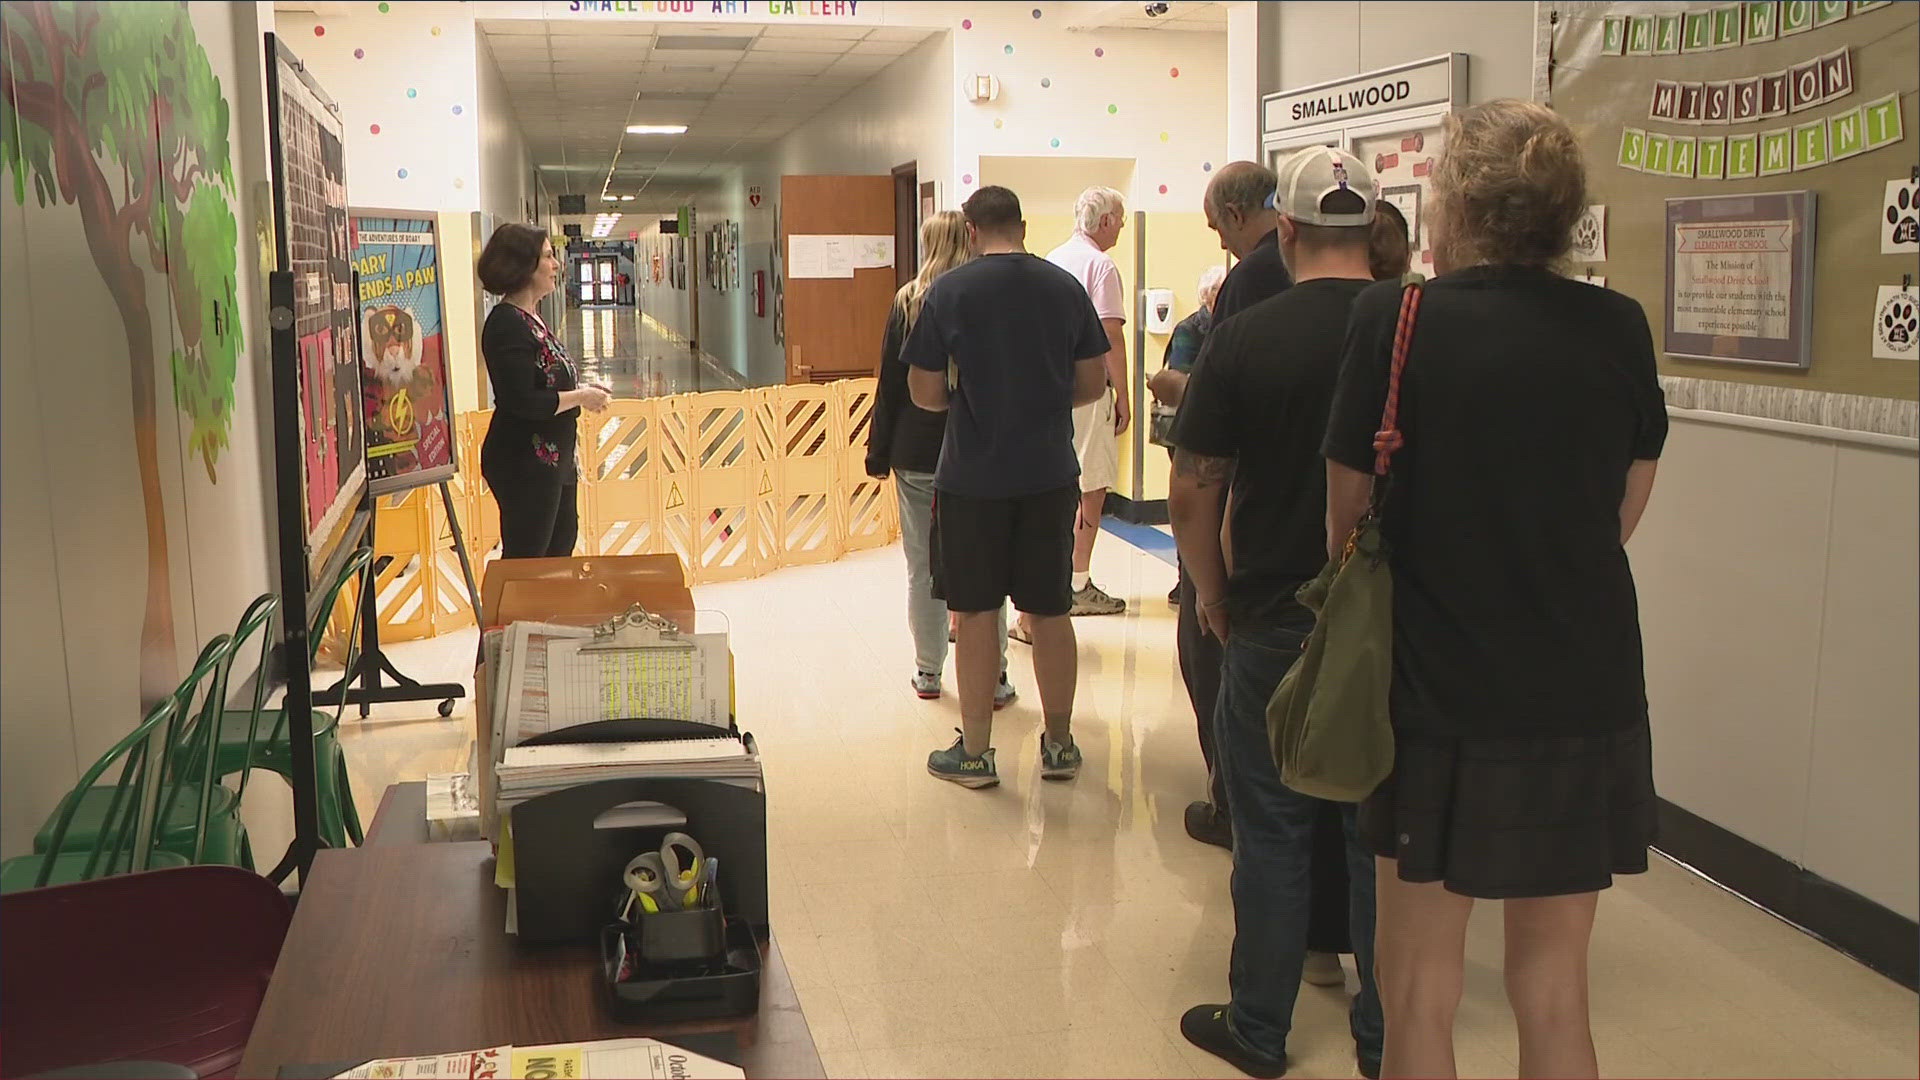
<point>164,966</point>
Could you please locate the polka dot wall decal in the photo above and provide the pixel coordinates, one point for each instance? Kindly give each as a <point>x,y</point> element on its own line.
<point>319,31</point>
<point>1099,52</point>
<point>436,31</point>
<point>385,7</point>
<point>1163,189</point>
<point>1206,166</point>
<point>1055,144</point>
<point>1163,136</point>
<point>373,129</point>
<point>458,182</point>
<point>966,24</point>
<point>456,110</point>
<point>1036,13</point>
<point>999,124</point>
<point>359,54</point>
<point>412,93</point>
<point>1173,73</point>
<point>1112,109</point>
<point>1008,50</point>
<point>1045,83</point>
<point>403,174</point>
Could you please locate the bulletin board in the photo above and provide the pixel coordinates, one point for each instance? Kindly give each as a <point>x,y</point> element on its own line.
<point>1617,69</point>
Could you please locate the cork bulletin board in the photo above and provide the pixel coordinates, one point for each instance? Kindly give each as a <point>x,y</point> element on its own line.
<point>1679,101</point>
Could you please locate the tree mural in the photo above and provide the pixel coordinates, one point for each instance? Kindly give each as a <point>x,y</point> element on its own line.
<point>114,109</point>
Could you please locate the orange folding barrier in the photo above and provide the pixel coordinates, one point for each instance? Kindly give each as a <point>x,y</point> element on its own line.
<point>737,483</point>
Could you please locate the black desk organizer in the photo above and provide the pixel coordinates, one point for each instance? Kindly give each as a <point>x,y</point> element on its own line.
<point>565,868</point>
<point>567,873</point>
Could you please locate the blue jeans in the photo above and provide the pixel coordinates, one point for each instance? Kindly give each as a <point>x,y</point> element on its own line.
<point>1273,851</point>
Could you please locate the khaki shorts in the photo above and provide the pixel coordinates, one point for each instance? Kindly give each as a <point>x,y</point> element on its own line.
<point>1096,444</point>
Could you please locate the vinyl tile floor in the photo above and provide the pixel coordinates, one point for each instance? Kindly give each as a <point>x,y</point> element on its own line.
<point>1059,929</point>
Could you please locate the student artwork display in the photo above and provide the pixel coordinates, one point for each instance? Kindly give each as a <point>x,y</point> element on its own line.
<point>1740,278</point>
<point>1896,323</point>
<point>1900,218</point>
<point>403,350</point>
<point>310,198</point>
<point>1403,168</point>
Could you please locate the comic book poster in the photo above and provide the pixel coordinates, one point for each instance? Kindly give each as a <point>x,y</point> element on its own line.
<point>403,352</point>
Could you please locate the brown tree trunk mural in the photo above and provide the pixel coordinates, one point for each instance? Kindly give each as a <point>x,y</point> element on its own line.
<point>144,98</point>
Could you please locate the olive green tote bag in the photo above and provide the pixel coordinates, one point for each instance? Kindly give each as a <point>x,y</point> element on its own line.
<point>1328,724</point>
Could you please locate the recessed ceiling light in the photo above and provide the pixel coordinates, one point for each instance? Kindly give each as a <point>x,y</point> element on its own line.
<point>656,129</point>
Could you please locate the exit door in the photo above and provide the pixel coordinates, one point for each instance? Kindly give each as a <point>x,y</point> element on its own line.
<point>836,317</point>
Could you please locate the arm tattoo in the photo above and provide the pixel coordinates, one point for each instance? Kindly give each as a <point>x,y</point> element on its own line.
<point>1205,471</point>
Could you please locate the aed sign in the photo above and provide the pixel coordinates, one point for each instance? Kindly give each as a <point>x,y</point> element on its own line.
<point>1428,83</point>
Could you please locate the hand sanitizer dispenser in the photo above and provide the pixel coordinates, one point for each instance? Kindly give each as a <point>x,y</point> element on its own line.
<point>1159,311</point>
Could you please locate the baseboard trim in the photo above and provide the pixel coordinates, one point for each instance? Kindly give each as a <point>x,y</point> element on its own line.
<point>1878,937</point>
<point>1144,512</point>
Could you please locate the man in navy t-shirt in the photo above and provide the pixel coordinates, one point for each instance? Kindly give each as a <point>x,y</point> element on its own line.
<point>1007,345</point>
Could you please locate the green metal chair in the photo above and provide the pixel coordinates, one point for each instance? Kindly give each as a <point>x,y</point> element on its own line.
<point>98,831</point>
<point>198,817</point>
<point>237,749</point>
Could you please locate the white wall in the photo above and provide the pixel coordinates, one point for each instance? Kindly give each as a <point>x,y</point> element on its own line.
<point>75,544</point>
<point>1318,40</point>
<point>506,170</point>
<point>1174,127</point>
<point>1778,598</point>
<point>415,66</point>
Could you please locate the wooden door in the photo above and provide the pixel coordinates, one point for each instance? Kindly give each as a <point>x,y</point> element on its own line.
<point>834,324</point>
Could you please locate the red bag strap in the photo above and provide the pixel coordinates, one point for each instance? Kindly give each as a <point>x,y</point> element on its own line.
<point>1388,439</point>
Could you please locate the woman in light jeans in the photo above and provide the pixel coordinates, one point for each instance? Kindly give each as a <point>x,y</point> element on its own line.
<point>904,440</point>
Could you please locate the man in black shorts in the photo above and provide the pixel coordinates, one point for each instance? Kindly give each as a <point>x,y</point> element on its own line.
<point>1007,345</point>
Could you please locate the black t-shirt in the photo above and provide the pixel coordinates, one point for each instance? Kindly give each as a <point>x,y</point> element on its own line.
<point>1525,399</point>
<point>1260,394</point>
<point>528,368</point>
<point>1262,274</point>
<point>1013,326</point>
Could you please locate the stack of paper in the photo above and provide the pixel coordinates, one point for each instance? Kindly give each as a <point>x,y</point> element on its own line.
<point>453,807</point>
<point>531,771</point>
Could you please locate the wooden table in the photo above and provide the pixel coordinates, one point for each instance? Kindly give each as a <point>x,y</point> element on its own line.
<point>400,949</point>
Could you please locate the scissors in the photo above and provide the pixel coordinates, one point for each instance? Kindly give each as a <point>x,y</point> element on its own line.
<point>663,881</point>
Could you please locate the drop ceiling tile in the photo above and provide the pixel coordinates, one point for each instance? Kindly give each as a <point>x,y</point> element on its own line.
<point>514,27</point>
<point>900,33</point>
<point>800,45</point>
<point>884,48</point>
<point>815,33</point>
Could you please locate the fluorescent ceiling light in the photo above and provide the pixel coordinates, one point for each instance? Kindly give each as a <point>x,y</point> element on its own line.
<point>656,129</point>
<point>609,198</point>
<point>626,198</point>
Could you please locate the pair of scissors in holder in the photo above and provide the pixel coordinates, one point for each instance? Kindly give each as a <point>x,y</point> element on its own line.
<point>663,880</point>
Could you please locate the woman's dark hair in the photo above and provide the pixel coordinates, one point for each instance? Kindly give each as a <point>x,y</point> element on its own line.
<point>511,256</point>
<point>1389,248</point>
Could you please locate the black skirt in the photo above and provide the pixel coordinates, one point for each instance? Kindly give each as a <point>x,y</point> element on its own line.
<point>1506,818</point>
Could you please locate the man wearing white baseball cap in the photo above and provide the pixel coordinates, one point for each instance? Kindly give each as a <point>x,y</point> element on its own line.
<point>1253,417</point>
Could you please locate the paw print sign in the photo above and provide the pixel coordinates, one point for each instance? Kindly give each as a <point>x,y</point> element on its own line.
<point>1900,219</point>
<point>1896,324</point>
<point>1590,235</point>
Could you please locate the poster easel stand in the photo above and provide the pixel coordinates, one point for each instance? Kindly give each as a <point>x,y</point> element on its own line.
<point>372,661</point>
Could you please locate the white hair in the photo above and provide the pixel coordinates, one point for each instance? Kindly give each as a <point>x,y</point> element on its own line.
<point>1210,281</point>
<point>1096,203</point>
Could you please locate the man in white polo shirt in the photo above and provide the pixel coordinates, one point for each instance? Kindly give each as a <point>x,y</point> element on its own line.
<point>1098,214</point>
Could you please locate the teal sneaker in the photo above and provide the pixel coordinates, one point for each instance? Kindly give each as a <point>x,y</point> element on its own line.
<point>954,764</point>
<point>1003,694</point>
<point>1059,762</point>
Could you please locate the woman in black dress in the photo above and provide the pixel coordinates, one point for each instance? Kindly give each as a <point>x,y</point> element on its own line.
<point>1533,418</point>
<point>528,458</point>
